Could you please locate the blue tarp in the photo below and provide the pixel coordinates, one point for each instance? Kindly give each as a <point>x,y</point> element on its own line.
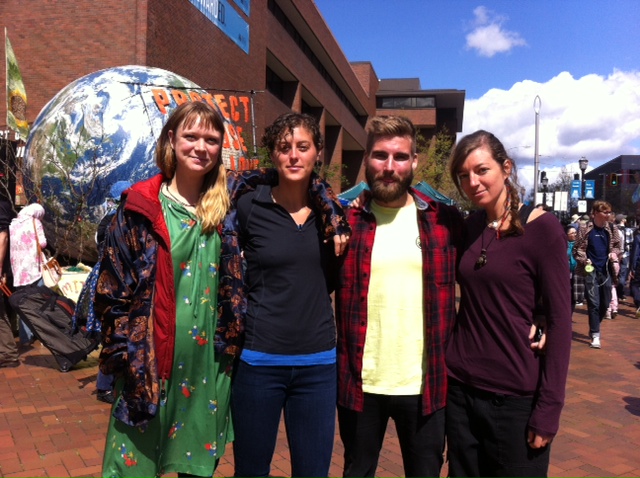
<point>433,193</point>
<point>350,194</point>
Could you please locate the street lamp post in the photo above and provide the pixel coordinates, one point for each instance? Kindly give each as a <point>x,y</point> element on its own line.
<point>583,163</point>
<point>537,103</point>
<point>544,180</point>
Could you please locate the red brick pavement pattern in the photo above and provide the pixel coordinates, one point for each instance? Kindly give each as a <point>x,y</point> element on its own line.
<point>52,425</point>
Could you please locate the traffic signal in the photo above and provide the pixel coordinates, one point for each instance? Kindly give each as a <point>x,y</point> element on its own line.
<point>613,179</point>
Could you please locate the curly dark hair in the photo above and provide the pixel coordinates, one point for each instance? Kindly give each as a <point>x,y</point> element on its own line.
<point>285,123</point>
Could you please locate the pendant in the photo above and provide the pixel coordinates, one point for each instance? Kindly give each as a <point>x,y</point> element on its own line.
<point>482,260</point>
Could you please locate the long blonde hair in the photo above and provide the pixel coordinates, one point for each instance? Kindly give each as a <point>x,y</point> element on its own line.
<point>214,202</point>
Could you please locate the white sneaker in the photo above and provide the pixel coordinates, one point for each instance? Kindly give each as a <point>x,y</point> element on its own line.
<point>595,343</point>
<point>608,314</point>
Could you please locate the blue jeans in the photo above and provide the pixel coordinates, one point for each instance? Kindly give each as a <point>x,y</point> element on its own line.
<point>487,434</point>
<point>623,275</point>
<point>104,382</point>
<point>597,290</point>
<point>308,396</point>
<point>421,436</point>
<point>25,334</point>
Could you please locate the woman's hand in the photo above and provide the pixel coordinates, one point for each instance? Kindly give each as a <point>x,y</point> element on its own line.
<point>340,243</point>
<point>537,338</point>
<point>537,441</point>
<point>359,201</point>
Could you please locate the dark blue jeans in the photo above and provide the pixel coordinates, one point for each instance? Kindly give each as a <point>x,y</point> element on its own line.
<point>104,382</point>
<point>308,396</point>
<point>597,290</point>
<point>487,434</point>
<point>421,436</point>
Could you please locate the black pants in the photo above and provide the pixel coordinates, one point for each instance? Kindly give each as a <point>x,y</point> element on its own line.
<point>487,434</point>
<point>421,437</point>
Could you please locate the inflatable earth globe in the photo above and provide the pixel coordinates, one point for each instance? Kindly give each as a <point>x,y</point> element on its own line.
<point>98,130</point>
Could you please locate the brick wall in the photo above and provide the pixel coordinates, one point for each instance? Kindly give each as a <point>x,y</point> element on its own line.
<point>57,42</point>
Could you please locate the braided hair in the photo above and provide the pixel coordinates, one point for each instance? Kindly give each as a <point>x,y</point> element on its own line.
<point>484,139</point>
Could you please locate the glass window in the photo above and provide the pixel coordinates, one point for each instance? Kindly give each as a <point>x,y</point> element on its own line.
<point>406,102</point>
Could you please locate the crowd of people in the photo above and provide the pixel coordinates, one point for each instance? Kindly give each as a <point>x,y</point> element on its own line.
<point>213,293</point>
<point>604,258</point>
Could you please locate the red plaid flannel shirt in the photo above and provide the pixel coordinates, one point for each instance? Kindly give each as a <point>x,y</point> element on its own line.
<point>440,229</point>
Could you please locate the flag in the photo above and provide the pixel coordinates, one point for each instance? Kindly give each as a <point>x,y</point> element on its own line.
<point>16,94</point>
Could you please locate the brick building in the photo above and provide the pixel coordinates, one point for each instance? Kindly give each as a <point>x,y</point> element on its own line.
<point>618,193</point>
<point>281,53</point>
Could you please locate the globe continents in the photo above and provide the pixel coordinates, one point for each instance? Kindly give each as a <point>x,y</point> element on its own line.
<point>101,129</point>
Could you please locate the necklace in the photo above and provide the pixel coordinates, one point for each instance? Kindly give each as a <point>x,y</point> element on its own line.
<point>482,260</point>
<point>494,224</point>
<point>497,225</point>
<point>168,193</point>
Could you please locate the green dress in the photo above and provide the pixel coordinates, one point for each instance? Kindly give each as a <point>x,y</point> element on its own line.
<point>193,424</point>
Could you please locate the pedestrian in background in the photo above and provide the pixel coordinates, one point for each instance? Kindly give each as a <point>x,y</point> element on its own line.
<point>504,400</point>
<point>614,269</point>
<point>8,347</point>
<point>574,222</point>
<point>634,272</point>
<point>596,245</point>
<point>571,237</point>
<point>626,235</point>
<point>27,239</point>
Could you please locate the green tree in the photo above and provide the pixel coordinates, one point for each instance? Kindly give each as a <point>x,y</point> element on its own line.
<point>562,182</point>
<point>433,165</point>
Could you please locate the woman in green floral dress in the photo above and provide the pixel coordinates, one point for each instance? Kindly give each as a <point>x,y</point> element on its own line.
<point>157,296</point>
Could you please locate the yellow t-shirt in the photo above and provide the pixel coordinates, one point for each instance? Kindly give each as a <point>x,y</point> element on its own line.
<point>394,353</point>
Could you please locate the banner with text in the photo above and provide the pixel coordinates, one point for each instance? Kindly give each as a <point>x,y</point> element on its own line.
<point>225,17</point>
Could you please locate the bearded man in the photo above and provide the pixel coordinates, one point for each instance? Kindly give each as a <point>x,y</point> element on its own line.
<point>395,307</point>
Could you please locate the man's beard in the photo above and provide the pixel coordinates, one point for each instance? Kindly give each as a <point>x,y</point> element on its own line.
<point>388,193</point>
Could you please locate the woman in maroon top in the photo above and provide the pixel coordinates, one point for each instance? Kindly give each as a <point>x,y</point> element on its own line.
<point>504,399</point>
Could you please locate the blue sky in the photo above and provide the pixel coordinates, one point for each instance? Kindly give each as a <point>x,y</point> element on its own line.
<point>581,57</point>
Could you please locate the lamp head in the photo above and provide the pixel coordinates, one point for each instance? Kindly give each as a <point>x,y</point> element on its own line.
<point>583,162</point>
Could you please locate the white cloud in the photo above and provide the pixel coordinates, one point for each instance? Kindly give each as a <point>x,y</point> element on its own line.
<point>594,116</point>
<point>488,36</point>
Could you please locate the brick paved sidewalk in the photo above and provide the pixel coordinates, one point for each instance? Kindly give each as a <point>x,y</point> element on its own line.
<point>52,425</point>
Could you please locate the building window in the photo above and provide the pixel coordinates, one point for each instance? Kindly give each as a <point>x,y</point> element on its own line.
<point>275,84</point>
<point>290,28</point>
<point>406,102</point>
